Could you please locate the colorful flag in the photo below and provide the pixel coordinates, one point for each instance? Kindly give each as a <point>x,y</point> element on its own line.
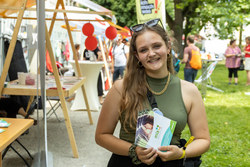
<point>48,62</point>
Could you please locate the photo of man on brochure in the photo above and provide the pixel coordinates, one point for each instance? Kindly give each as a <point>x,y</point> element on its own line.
<point>153,130</point>
<point>144,128</point>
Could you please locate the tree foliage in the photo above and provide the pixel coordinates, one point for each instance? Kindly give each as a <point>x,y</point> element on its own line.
<point>124,11</point>
<point>226,16</point>
<point>190,16</point>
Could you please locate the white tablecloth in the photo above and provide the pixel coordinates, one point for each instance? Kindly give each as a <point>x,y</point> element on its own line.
<point>90,70</point>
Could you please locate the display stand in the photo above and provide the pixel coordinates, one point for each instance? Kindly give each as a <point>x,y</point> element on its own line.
<point>56,75</point>
<point>205,78</point>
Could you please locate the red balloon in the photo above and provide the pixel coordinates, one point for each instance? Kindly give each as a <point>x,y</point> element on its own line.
<point>88,29</point>
<point>91,43</point>
<point>111,32</point>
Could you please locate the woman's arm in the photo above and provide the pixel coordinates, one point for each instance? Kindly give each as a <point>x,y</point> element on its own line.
<point>197,120</point>
<point>230,55</point>
<point>228,52</point>
<point>108,120</point>
<point>197,124</point>
<point>246,52</point>
<point>185,58</point>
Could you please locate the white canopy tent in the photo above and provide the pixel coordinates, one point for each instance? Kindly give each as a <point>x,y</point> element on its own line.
<point>99,26</point>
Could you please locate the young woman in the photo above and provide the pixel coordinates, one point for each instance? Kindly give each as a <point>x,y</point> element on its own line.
<point>233,54</point>
<point>150,67</point>
<point>247,60</point>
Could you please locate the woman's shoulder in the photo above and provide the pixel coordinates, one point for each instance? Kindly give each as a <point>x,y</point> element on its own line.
<point>238,49</point>
<point>118,85</point>
<point>188,87</point>
<point>190,94</point>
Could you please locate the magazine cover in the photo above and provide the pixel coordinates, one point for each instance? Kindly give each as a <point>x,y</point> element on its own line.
<point>153,130</point>
<point>4,124</point>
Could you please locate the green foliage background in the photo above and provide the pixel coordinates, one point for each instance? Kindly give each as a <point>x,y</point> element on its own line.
<point>225,15</point>
<point>228,120</point>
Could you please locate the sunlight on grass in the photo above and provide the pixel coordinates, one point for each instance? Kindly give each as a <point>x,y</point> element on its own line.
<point>228,121</point>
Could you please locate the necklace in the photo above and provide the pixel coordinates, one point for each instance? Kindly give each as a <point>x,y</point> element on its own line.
<point>163,90</point>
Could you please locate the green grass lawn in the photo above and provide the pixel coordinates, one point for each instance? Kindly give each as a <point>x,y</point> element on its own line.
<point>228,116</point>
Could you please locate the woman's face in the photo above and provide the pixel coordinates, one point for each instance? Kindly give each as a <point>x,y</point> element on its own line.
<point>234,44</point>
<point>247,41</point>
<point>152,53</point>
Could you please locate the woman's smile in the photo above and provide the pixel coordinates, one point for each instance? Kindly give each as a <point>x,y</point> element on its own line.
<point>153,61</point>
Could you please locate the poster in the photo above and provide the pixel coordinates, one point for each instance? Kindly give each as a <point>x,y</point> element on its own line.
<point>150,9</point>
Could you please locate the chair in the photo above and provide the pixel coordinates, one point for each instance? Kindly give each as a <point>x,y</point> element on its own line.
<point>54,107</point>
<point>32,107</point>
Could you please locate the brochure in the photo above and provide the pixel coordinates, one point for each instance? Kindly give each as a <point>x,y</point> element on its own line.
<point>4,124</point>
<point>153,130</point>
<point>2,130</point>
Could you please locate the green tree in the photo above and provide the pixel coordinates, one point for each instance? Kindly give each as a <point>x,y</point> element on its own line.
<point>189,16</point>
<point>124,10</point>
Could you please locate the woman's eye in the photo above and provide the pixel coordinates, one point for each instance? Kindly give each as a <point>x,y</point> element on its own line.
<point>157,46</point>
<point>142,50</point>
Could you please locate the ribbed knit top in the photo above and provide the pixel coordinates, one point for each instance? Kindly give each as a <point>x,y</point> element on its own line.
<point>170,104</point>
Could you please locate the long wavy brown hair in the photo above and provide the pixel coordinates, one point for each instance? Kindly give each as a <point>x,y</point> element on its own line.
<point>134,92</point>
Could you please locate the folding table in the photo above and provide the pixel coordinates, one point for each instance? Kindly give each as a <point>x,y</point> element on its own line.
<point>20,6</point>
<point>17,128</point>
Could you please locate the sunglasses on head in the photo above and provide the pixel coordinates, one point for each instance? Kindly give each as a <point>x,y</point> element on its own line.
<point>150,23</point>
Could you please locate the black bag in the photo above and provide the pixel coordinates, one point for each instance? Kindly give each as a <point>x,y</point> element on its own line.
<point>242,67</point>
<point>190,162</point>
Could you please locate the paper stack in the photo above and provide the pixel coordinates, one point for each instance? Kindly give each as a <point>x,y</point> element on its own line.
<point>153,130</point>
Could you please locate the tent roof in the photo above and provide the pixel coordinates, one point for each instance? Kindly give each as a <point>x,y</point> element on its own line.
<point>15,4</point>
<point>92,5</point>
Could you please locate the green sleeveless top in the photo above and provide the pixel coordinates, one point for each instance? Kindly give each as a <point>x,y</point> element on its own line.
<point>170,104</point>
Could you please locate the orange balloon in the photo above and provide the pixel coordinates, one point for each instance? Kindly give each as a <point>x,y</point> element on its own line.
<point>88,29</point>
<point>111,32</point>
<point>91,43</point>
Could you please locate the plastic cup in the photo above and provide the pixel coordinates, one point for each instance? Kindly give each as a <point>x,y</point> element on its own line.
<point>21,78</point>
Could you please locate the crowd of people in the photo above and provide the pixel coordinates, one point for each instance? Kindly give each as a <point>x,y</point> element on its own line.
<point>120,53</point>
<point>233,56</point>
<point>147,64</point>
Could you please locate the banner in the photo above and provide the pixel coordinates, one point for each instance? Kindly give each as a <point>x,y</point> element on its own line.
<point>150,9</point>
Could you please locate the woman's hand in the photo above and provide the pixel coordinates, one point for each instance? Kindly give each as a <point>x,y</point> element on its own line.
<point>146,155</point>
<point>171,152</point>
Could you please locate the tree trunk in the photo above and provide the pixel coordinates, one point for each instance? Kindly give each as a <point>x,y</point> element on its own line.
<point>178,27</point>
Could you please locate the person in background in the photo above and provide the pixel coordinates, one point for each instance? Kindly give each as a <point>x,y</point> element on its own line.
<point>125,41</point>
<point>10,108</point>
<point>189,73</point>
<point>88,55</point>
<point>174,52</point>
<point>77,46</point>
<point>120,56</point>
<point>247,59</point>
<point>176,61</point>
<point>233,54</point>
<point>150,68</point>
